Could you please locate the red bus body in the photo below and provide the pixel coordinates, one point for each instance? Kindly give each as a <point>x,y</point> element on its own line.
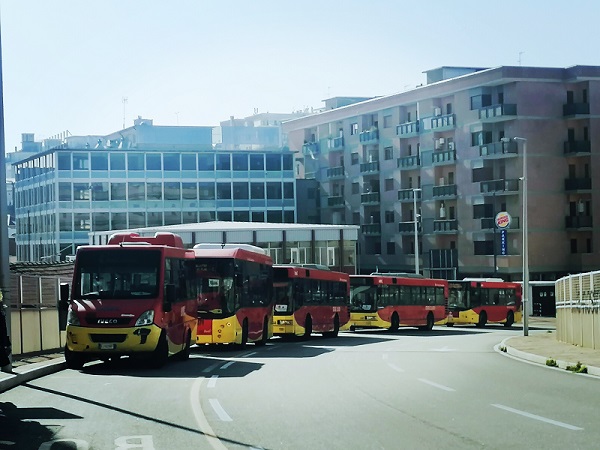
<point>310,300</point>
<point>132,296</point>
<point>235,286</point>
<point>386,301</point>
<point>482,301</point>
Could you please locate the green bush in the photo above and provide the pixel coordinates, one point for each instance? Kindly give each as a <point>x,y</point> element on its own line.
<point>551,362</point>
<point>577,368</point>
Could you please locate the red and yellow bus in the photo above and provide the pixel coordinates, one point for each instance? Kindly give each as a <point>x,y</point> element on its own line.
<point>483,300</point>
<point>310,299</point>
<point>235,289</point>
<point>394,300</point>
<point>133,296</point>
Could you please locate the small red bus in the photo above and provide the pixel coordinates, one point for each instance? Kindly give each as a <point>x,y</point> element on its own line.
<point>133,296</point>
<point>393,300</point>
<point>483,300</point>
<point>235,289</point>
<point>310,299</point>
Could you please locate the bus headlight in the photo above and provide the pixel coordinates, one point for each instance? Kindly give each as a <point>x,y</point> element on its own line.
<point>72,318</point>
<point>146,318</point>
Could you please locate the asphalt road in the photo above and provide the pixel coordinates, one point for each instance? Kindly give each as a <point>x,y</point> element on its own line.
<point>366,390</point>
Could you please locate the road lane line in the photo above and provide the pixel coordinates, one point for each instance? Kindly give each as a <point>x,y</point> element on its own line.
<point>219,410</point>
<point>226,365</point>
<point>213,381</point>
<point>395,367</point>
<point>439,386</point>
<point>210,368</point>
<point>203,425</point>
<point>540,418</point>
<point>249,355</point>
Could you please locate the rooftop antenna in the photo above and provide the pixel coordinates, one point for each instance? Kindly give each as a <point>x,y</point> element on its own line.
<point>124,100</point>
<point>520,53</point>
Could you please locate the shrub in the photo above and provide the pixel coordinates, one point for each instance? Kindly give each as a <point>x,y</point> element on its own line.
<point>551,362</point>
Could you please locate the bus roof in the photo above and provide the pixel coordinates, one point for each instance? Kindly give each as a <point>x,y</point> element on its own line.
<point>231,252</point>
<point>381,279</point>
<point>161,238</point>
<point>248,247</point>
<point>301,271</point>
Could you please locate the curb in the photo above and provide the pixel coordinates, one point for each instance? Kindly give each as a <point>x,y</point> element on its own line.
<point>45,368</point>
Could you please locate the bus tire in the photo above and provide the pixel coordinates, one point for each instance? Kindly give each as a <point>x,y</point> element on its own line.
<point>307,327</point>
<point>160,355</point>
<point>265,334</point>
<point>450,324</point>
<point>352,328</point>
<point>184,354</point>
<point>336,328</point>
<point>74,360</point>
<point>482,320</point>
<point>395,324</point>
<point>429,325</point>
<point>510,319</point>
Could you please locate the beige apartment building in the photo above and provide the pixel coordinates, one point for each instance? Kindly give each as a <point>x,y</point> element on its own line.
<point>449,155</point>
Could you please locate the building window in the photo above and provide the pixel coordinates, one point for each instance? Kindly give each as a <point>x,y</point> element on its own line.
<point>189,162</point>
<point>189,191</point>
<point>172,191</point>
<point>391,248</point>
<point>257,162</point>
<point>135,161</point>
<point>100,191</point>
<point>387,121</point>
<point>240,191</point>
<point>388,153</point>
<point>117,161</point>
<point>241,216</point>
<point>356,218</point>
<point>172,162</point>
<point>573,245</point>
<point>154,191</point>
<point>258,216</point>
<point>64,161</point>
<point>588,245</point>
<point>389,184</point>
<point>355,188</point>
<point>206,190</point>
<point>389,217</point>
<point>223,162</point>
<point>81,161</point>
<point>257,191</point>
<point>354,158</point>
<point>288,190</point>
<point>353,129</point>
<point>64,192</point>
<point>273,163</point>
<point>483,248</point>
<point>99,161</point>
<point>153,162</point>
<point>288,162</point>
<point>118,191</point>
<point>240,162</point>
<point>273,190</point>
<point>480,101</point>
<point>224,192</point>
<point>206,162</point>
<point>136,191</point>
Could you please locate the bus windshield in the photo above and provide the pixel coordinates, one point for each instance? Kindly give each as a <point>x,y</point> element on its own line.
<point>117,274</point>
<point>363,298</point>
<point>283,298</point>
<point>216,291</point>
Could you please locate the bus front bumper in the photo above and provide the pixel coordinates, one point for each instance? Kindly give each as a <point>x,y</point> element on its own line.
<point>112,341</point>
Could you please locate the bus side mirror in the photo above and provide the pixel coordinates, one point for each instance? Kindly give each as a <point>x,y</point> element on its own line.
<point>170,297</point>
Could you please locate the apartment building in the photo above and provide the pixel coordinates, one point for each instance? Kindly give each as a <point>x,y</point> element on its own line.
<point>426,172</point>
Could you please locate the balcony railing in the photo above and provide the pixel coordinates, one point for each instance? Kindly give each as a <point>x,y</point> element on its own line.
<point>499,186</point>
<point>409,162</point>
<point>441,226</point>
<point>408,227</point>
<point>370,167</point>
<point>310,149</point>
<point>336,172</point>
<point>335,201</point>
<point>334,144</point>
<point>576,184</point>
<point>447,121</point>
<point>407,195</point>
<point>408,129</point>
<point>443,157</point>
<point>369,197</point>
<point>371,229</point>
<point>369,136</point>
<point>448,190</point>
<point>498,111</point>
<point>579,222</point>
<point>577,147</point>
<point>498,148</point>
<point>574,109</point>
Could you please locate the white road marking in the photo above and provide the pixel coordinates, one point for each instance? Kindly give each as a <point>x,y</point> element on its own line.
<point>210,368</point>
<point>226,365</point>
<point>396,368</point>
<point>219,410</point>
<point>540,418</point>
<point>439,386</point>
<point>249,355</point>
<point>443,349</point>
<point>213,381</point>
<point>203,425</point>
<point>385,356</point>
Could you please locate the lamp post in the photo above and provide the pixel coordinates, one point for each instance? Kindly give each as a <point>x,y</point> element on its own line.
<point>416,222</point>
<point>525,293</point>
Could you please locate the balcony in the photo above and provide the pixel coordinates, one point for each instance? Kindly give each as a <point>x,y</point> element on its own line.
<point>408,129</point>
<point>445,191</point>
<point>369,168</point>
<point>408,227</point>
<point>373,229</point>
<point>406,195</point>
<point>409,162</point>
<point>310,149</point>
<point>499,149</point>
<point>369,136</point>
<point>442,123</point>
<point>493,186</point>
<point>336,201</point>
<point>576,109</point>
<point>489,223</point>
<point>497,113</point>
<point>336,173</point>
<point>445,226</point>
<point>335,144</point>
<point>443,157</point>
<point>578,222</point>
<point>577,147</point>
<point>369,198</point>
<point>578,184</point>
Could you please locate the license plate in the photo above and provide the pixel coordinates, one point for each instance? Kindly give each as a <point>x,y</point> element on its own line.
<point>108,346</point>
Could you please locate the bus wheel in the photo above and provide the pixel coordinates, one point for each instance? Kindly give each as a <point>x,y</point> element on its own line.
<point>450,324</point>
<point>336,328</point>
<point>510,319</point>
<point>352,328</point>
<point>74,360</point>
<point>265,334</point>
<point>429,325</point>
<point>395,322</point>
<point>184,354</point>
<point>160,354</point>
<point>307,327</point>
<point>482,320</point>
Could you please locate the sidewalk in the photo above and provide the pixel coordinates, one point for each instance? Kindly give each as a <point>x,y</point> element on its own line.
<point>31,367</point>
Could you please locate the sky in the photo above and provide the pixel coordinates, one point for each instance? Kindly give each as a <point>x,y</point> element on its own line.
<point>91,66</point>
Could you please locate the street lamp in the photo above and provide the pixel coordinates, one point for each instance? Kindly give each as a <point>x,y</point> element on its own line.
<point>416,222</point>
<point>525,293</point>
